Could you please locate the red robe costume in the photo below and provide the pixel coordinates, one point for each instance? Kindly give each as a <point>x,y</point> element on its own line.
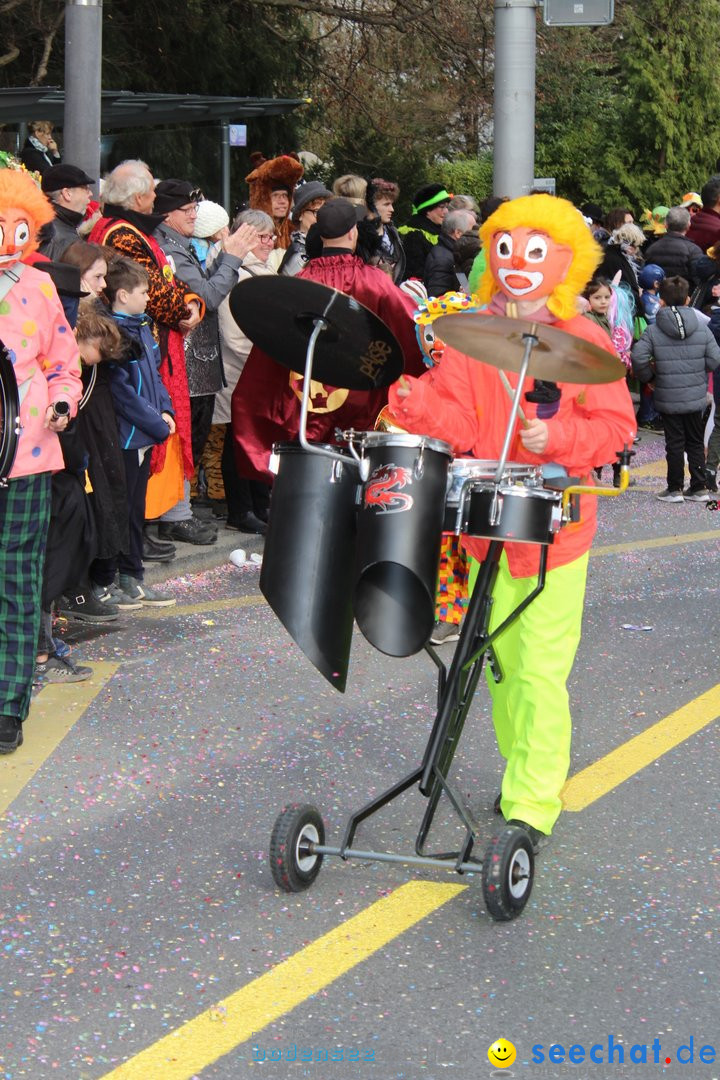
<point>266,400</point>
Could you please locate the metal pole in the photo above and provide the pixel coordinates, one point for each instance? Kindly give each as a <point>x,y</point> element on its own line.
<point>83,84</point>
<point>514,104</point>
<point>225,165</point>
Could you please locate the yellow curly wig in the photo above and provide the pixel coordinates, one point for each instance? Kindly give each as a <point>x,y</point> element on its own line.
<point>561,221</point>
<point>19,191</point>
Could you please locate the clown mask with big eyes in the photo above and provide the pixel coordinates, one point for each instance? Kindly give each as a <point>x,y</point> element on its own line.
<point>528,264</point>
<point>15,235</point>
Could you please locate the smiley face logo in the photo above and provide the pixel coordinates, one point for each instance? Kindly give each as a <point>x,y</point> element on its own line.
<point>501,1054</point>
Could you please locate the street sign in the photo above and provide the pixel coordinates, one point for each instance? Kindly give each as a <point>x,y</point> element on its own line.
<point>544,183</point>
<point>237,134</point>
<point>579,12</point>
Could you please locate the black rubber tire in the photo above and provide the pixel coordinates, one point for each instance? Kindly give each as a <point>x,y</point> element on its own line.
<point>507,874</point>
<point>293,868</point>
<point>9,410</point>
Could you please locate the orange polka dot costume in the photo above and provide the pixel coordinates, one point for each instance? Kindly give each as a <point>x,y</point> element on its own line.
<point>33,328</point>
<point>46,366</point>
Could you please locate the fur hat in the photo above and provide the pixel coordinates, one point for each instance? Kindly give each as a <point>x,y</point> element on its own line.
<point>211,218</point>
<point>283,171</point>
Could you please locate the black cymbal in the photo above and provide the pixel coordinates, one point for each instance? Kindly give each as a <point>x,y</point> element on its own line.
<point>356,350</point>
<point>500,341</point>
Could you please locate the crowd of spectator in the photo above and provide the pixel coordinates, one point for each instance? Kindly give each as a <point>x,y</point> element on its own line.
<point>180,408</point>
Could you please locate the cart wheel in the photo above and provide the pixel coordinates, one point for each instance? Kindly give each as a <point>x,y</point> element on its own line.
<point>507,874</point>
<point>294,867</point>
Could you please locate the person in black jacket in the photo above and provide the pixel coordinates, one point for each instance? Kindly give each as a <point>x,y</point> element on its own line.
<point>676,353</point>
<point>40,151</point>
<point>419,236</point>
<point>440,274</point>
<point>674,252</point>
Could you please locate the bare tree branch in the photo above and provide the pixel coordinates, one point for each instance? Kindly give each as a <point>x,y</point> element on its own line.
<point>48,39</point>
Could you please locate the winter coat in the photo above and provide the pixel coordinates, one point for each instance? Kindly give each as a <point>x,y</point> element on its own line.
<point>418,238</point>
<point>677,351</point>
<point>63,233</point>
<point>46,363</point>
<point>137,390</point>
<point>439,275</point>
<point>295,257</point>
<point>704,228</point>
<point>36,157</point>
<point>676,255</point>
<point>234,343</point>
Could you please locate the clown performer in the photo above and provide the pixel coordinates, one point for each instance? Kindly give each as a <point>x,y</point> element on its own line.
<point>46,365</point>
<point>540,256</point>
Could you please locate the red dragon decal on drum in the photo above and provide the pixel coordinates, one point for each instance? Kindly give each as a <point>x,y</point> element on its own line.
<point>382,490</point>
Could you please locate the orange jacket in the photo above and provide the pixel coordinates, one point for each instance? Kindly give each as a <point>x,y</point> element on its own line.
<point>464,402</point>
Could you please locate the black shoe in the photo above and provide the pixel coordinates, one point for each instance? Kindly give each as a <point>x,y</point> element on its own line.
<point>156,550</point>
<point>711,480</point>
<point>11,734</point>
<point>247,524</point>
<point>536,837</point>
<point>87,607</point>
<point>190,531</point>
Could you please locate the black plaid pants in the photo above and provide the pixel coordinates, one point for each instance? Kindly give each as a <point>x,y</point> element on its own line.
<point>24,519</point>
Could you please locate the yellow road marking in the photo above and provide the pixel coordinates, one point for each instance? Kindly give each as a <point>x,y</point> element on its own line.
<point>202,608</point>
<point>656,542</point>
<point>201,1041</point>
<point>602,776</point>
<point>52,714</point>
<point>653,468</point>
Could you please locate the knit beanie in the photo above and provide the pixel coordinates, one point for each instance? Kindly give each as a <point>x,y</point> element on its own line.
<point>211,218</point>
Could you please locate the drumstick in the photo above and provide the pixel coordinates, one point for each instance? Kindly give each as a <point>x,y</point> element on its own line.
<point>404,384</point>
<point>511,394</point>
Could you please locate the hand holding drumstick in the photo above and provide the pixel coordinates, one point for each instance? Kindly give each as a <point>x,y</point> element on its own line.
<point>534,433</point>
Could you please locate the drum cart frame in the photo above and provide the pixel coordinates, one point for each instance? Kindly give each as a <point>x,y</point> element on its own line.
<point>297,846</point>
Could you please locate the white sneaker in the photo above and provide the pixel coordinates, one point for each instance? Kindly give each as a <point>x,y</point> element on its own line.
<point>445,632</point>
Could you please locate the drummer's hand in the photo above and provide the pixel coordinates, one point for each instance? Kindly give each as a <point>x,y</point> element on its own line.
<point>403,388</point>
<point>535,436</point>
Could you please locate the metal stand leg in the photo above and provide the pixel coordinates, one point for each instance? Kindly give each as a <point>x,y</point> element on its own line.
<point>456,690</point>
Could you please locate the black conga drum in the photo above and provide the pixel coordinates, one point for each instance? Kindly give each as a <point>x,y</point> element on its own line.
<point>308,563</point>
<point>400,522</point>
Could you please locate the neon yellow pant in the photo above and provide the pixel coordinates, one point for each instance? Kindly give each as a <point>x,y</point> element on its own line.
<point>530,707</point>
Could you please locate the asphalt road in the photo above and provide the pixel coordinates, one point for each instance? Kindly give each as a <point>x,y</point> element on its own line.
<point>136,890</point>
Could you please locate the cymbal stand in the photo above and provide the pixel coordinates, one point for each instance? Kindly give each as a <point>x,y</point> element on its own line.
<point>530,342</point>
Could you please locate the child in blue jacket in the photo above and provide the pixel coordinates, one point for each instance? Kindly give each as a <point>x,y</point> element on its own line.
<point>143,410</point>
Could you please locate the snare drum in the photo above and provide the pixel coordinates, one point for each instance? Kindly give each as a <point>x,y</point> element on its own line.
<point>308,562</point>
<point>517,508</point>
<point>400,524</point>
<point>466,473</point>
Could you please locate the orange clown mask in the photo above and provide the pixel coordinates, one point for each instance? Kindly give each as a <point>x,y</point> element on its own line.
<point>527,263</point>
<point>15,234</point>
<point>23,210</point>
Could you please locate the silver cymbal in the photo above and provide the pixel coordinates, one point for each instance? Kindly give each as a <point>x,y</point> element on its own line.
<point>500,342</point>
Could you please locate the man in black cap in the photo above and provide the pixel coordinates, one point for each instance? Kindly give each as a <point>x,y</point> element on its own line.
<point>69,189</point>
<point>419,236</point>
